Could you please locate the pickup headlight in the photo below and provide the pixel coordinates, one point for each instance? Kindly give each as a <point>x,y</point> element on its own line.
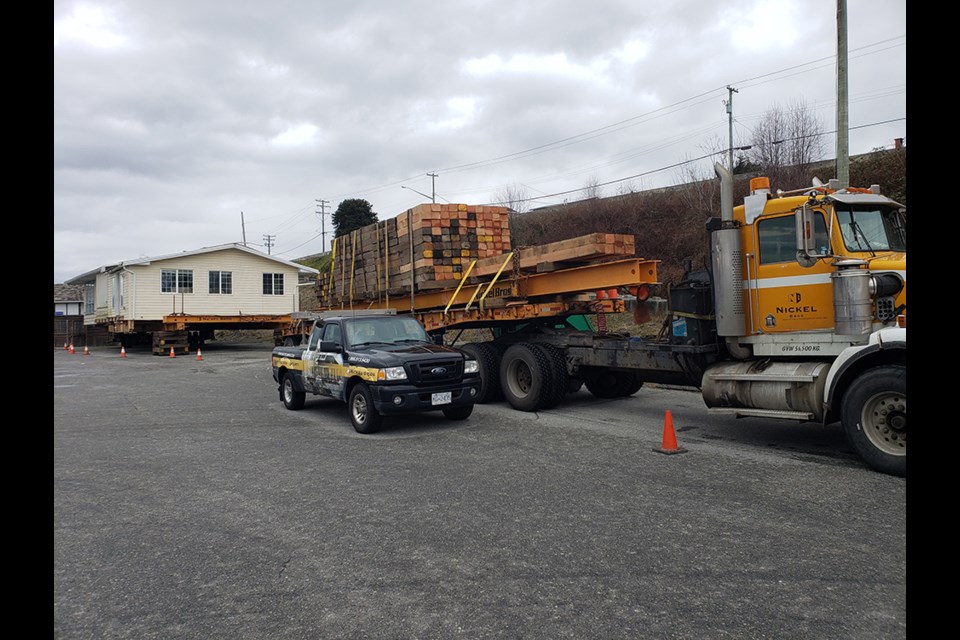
<point>471,366</point>
<point>394,373</point>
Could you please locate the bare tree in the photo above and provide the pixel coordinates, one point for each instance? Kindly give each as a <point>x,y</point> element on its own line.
<point>513,196</point>
<point>786,142</point>
<point>592,188</point>
<point>699,188</point>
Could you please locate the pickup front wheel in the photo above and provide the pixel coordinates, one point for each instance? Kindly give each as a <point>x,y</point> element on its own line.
<point>292,399</point>
<point>363,415</point>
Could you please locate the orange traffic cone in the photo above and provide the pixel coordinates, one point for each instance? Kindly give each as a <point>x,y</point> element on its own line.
<point>172,354</point>
<point>123,351</point>
<point>86,350</point>
<point>72,350</point>
<point>669,444</point>
<point>66,346</point>
<point>199,355</point>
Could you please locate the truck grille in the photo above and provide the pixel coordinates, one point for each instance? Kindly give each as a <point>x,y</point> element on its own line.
<point>436,371</point>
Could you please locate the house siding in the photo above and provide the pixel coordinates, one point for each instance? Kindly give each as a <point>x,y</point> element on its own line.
<point>144,301</point>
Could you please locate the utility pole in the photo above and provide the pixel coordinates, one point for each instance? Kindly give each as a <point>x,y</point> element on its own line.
<point>243,229</point>
<point>268,240</point>
<point>323,225</point>
<point>843,133</point>
<point>433,187</point>
<point>729,103</point>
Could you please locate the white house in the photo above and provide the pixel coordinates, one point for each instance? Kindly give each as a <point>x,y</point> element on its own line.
<point>229,280</point>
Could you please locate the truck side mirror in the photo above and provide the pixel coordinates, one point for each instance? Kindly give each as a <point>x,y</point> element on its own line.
<point>329,346</point>
<point>807,250</point>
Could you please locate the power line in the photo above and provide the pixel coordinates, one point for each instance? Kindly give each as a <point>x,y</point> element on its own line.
<point>703,157</point>
<point>638,119</point>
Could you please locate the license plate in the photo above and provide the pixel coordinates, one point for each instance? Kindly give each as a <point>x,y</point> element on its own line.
<point>441,398</point>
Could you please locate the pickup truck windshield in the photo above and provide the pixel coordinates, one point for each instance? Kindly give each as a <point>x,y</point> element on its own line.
<point>389,330</point>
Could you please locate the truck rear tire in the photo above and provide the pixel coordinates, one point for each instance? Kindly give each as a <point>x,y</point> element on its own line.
<point>363,415</point>
<point>292,399</point>
<point>458,413</point>
<point>488,359</point>
<point>525,377</point>
<point>874,418</point>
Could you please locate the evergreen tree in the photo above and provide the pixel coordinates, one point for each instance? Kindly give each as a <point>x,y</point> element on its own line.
<point>351,214</point>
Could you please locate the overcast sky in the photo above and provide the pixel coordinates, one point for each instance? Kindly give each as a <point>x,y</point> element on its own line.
<point>187,123</point>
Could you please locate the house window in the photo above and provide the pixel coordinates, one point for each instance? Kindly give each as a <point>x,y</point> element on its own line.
<point>88,299</point>
<point>176,281</point>
<point>221,282</point>
<point>273,284</point>
<point>117,292</point>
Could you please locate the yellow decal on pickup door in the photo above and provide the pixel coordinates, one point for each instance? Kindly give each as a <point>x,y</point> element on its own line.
<point>295,364</point>
<point>328,371</point>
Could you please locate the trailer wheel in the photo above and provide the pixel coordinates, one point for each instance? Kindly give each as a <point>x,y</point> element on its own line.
<point>488,359</point>
<point>874,418</point>
<point>558,373</point>
<point>292,399</point>
<point>525,377</point>
<point>363,415</point>
<point>458,413</point>
<point>631,383</point>
<point>602,383</point>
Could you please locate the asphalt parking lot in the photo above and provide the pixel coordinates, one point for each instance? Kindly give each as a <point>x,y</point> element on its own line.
<point>188,503</point>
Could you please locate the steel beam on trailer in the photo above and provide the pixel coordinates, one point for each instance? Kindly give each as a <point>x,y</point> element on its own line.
<point>179,322</point>
<point>587,278</point>
<point>433,320</point>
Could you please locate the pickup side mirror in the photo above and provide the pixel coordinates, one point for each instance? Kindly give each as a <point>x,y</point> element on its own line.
<point>329,346</point>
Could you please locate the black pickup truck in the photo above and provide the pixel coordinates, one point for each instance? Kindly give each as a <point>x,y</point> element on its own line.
<point>379,364</point>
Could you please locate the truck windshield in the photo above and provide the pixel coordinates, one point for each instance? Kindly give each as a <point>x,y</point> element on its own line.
<point>873,229</point>
<point>389,330</point>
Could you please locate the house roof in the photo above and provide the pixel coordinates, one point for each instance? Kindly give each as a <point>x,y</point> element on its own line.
<point>90,276</point>
<point>67,293</point>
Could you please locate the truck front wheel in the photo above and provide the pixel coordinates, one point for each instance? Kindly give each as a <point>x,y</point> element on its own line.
<point>292,399</point>
<point>874,418</point>
<point>363,415</point>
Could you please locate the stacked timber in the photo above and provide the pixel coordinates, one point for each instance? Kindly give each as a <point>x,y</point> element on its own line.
<point>593,247</point>
<point>427,247</point>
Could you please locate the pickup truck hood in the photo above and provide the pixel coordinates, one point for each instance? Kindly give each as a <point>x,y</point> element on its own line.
<point>397,355</point>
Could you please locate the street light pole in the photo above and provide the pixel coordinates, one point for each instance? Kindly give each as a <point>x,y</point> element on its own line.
<point>420,192</point>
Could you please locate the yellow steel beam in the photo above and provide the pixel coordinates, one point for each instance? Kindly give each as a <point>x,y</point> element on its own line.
<point>585,279</point>
<point>495,278</point>
<point>433,320</point>
<point>460,286</point>
<point>473,297</point>
<point>179,322</point>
